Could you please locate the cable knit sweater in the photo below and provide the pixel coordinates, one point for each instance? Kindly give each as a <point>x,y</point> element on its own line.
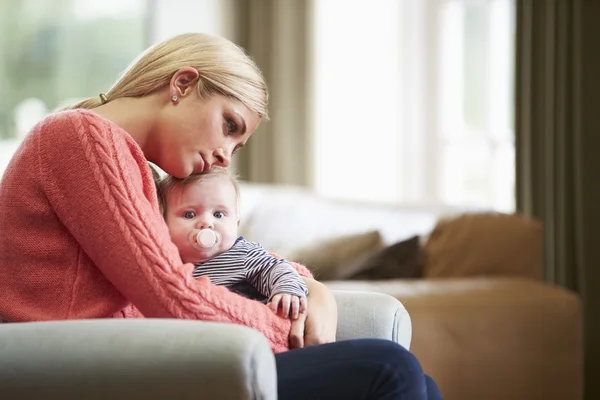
<point>81,236</point>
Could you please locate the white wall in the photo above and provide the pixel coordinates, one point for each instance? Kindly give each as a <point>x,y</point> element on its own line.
<point>180,16</point>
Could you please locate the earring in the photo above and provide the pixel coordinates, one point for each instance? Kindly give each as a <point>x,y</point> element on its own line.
<point>174,99</point>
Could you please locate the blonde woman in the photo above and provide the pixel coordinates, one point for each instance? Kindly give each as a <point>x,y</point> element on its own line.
<point>82,235</point>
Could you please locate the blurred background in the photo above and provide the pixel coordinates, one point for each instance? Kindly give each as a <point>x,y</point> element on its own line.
<point>472,104</point>
<point>375,100</point>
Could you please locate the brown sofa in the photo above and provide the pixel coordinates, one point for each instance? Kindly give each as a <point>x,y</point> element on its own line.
<point>485,325</point>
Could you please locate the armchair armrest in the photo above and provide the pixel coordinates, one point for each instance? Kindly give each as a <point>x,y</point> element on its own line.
<point>372,315</point>
<point>142,359</point>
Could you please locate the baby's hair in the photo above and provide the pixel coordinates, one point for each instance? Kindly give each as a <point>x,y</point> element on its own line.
<point>164,185</point>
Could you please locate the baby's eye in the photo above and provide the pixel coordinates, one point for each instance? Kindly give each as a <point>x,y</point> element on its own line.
<point>189,215</point>
<point>219,214</point>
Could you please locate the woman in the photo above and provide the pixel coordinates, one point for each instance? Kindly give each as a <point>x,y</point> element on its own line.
<point>81,235</point>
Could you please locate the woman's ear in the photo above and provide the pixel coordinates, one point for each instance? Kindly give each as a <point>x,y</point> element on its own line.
<point>183,82</point>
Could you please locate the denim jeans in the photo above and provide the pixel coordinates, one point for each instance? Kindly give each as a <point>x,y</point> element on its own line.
<point>362,369</point>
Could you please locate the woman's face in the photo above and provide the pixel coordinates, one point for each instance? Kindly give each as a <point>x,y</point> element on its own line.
<point>192,134</point>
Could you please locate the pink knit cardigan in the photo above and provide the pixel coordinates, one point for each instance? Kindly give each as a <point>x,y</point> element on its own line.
<point>81,236</point>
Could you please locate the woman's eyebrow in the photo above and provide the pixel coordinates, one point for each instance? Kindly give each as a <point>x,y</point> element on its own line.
<point>243,130</point>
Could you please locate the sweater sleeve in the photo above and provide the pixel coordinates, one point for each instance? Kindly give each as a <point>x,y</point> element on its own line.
<point>100,186</point>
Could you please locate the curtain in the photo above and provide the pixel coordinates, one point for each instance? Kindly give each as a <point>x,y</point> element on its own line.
<point>276,33</point>
<point>557,125</point>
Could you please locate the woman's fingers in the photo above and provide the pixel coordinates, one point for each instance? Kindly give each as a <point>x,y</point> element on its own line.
<point>297,332</point>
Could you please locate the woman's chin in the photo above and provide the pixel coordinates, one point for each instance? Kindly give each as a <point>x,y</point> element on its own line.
<point>180,171</point>
<point>180,174</point>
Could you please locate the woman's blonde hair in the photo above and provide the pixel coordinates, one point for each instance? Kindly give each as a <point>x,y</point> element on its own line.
<point>223,68</point>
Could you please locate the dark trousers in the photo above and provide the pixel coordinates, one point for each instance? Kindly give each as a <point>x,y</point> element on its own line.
<point>363,369</point>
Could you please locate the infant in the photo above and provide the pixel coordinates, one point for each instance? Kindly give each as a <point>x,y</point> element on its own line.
<point>202,215</point>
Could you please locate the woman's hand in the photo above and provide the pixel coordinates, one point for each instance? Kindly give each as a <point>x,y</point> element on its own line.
<point>319,325</point>
<point>297,332</point>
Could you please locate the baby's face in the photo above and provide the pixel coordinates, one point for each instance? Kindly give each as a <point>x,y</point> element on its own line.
<point>209,204</point>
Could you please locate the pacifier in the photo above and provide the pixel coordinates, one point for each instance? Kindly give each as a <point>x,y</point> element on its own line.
<point>204,238</point>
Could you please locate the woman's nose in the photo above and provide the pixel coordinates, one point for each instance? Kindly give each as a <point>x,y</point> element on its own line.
<point>222,158</point>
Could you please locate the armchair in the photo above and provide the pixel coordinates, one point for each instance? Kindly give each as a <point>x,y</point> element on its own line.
<point>157,358</point>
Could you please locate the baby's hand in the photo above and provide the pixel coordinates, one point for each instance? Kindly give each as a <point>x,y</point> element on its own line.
<point>288,305</point>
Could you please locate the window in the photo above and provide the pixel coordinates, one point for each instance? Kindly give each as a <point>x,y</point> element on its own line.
<point>55,52</point>
<point>413,101</point>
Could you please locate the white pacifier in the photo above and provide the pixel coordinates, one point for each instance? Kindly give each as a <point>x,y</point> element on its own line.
<point>204,238</point>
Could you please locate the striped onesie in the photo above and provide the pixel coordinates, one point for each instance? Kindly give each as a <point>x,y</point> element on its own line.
<point>249,270</point>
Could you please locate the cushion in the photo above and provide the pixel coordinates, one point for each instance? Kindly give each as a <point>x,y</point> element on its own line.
<point>330,259</point>
<point>401,260</point>
<point>482,244</point>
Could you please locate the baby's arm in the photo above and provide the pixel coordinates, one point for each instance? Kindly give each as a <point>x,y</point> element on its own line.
<point>278,280</point>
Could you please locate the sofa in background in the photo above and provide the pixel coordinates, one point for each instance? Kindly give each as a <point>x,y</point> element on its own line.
<point>485,325</point>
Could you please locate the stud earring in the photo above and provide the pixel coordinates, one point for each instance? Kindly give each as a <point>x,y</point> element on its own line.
<point>174,99</point>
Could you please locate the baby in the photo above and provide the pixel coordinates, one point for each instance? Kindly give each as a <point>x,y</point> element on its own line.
<point>201,212</point>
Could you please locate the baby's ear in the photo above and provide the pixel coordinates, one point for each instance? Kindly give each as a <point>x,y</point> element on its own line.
<point>238,224</point>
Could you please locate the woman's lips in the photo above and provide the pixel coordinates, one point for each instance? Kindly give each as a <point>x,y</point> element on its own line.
<point>205,164</point>
<point>201,167</point>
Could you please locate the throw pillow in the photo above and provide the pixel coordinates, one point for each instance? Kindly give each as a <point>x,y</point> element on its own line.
<point>401,260</point>
<point>485,244</point>
<point>329,259</point>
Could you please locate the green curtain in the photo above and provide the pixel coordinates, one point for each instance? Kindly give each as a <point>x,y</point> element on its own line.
<point>558,147</point>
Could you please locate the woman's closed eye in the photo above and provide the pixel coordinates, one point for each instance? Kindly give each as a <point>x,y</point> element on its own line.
<point>189,215</point>
<point>232,126</point>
